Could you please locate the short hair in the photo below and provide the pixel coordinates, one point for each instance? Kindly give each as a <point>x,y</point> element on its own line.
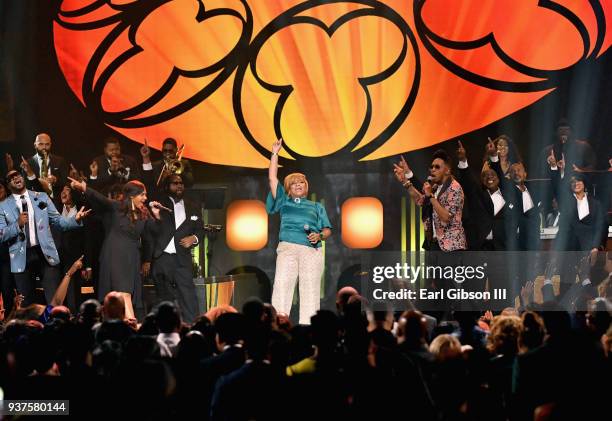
<point>444,156</point>
<point>504,335</point>
<point>230,327</point>
<point>445,346</point>
<point>167,181</point>
<point>170,141</point>
<point>111,140</point>
<point>167,317</point>
<point>114,306</point>
<point>292,178</point>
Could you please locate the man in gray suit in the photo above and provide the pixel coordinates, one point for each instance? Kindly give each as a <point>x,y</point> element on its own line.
<point>25,220</point>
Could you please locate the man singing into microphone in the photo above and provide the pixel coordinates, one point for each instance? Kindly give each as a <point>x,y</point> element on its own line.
<point>25,218</point>
<point>179,229</point>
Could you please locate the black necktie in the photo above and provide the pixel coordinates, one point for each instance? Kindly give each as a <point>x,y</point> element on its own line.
<point>26,228</point>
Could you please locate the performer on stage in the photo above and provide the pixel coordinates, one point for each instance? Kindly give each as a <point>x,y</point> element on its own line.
<point>442,202</point>
<point>25,220</point>
<point>582,228</point>
<point>173,238</point>
<point>304,224</point>
<point>506,152</point>
<point>120,262</point>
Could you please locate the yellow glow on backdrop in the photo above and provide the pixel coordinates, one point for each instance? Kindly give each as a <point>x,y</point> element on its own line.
<point>367,77</point>
<point>362,222</point>
<point>247,225</point>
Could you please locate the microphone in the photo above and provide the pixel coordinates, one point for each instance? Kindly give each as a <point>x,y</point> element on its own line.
<point>309,231</point>
<point>158,205</point>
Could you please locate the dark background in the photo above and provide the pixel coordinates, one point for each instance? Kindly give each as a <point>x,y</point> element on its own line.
<point>34,98</point>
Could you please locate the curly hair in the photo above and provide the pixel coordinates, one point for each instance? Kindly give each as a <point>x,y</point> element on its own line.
<point>504,335</point>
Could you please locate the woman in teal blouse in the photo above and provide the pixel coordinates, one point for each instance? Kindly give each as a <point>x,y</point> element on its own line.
<point>304,224</point>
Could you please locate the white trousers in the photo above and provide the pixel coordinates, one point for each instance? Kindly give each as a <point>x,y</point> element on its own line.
<point>295,261</point>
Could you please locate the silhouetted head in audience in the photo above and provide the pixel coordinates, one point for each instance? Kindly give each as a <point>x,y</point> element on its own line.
<point>168,317</point>
<point>342,297</point>
<point>90,312</point>
<point>599,318</point>
<point>325,328</point>
<point>230,330</point>
<point>533,332</point>
<point>193,348</point>
<point>139,348</point>
<point>253,310</point>
<point>114,306</point>
<point>504,335</point>
<point>61,312</point>
<point>149,325</point>
<point>412,329</point>
<point>445,347</point>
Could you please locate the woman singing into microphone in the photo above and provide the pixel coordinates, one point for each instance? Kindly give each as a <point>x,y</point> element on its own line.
<point>304,224</point>
<point>120,255</point>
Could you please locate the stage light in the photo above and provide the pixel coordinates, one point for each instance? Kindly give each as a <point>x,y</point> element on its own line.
<point>362,222</point>
<point>247,225</point>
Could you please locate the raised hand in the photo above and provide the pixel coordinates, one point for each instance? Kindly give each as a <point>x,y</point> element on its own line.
<point>74,173</point>
<point>491,149</point>
<point>77,185</point>
<point>552,161</point>
<point>93,169</point>
<point>82,213</point>
<point>277,146</point>
<point>76,266</point>
<point>461,154</point>
<point>25,166</point>
<point>10,165</point>
<point>527,293</point>
<point>145,152</point>
<point>401,169</point>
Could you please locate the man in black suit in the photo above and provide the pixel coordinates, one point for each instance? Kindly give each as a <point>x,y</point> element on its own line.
<point>154,171</point>
<point>172,239</point>
<point>113,167</point>
<point>582,228</point>
<point>487,225</point>
<point>486,202</point>
<point>522,223</point>
<point>47,166</point>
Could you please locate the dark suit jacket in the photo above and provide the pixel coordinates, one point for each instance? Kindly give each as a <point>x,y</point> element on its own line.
<point>58,168</point>
<point>481,213</point>
<point>165,229</point>
<point>105,179</point>
<point>576,234</point>
<point>522,229</point>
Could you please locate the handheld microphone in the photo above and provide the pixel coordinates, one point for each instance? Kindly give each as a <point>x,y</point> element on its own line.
<point>159,206</point>
<point>309,231</point>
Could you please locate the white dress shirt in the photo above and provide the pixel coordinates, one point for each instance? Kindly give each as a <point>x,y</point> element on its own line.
<point>498,204</point>
<point>179,218</point>
<point>31,223</point>
<point>527,201</point>
<point>583,207</point>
